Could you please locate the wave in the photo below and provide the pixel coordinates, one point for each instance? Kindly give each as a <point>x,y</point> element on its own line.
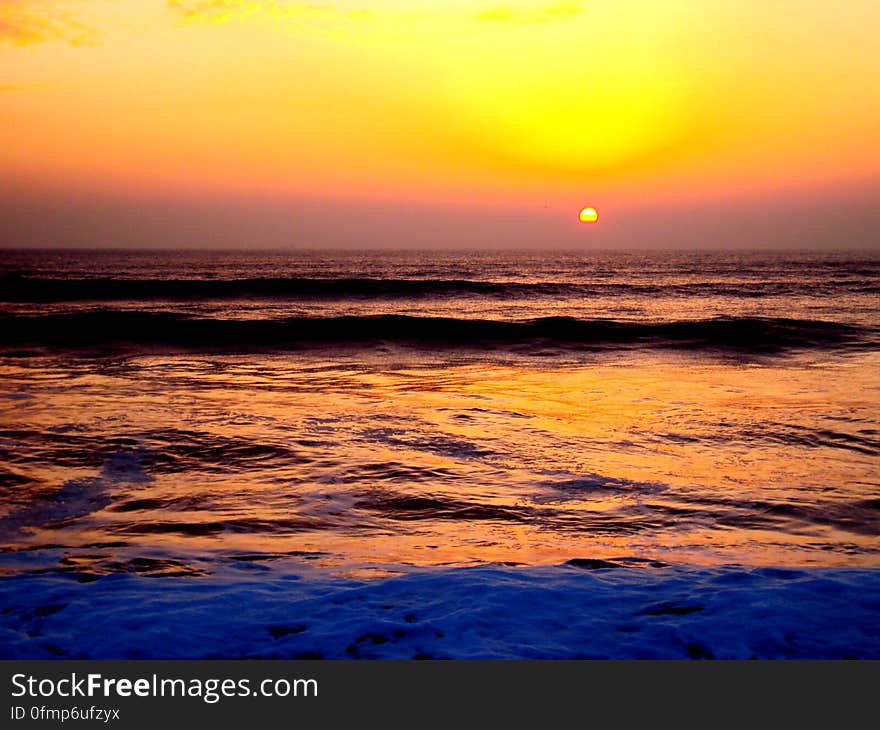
<point>14,288</point>
<point>100,328</point>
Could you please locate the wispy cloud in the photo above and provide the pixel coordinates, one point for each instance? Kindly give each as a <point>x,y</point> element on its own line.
<point>222,11</point>
<point>28,22</point>
<point>218,11</point>
<point>547,13</point>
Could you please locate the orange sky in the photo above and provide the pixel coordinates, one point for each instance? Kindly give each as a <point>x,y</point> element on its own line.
<point>446,121</point>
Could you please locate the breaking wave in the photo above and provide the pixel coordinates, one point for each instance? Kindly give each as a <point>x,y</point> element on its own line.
<point>99,328</point>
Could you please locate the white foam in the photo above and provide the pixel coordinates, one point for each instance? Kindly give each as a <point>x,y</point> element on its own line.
<point>483,612</point>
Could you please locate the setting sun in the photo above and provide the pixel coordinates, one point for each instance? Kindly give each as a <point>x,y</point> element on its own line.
<point>588,215</point>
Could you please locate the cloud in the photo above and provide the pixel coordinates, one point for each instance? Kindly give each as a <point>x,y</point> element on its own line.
<point>222,11</point>
<point>218,11</point>
<point>29,22</point>
<point>522,16</point>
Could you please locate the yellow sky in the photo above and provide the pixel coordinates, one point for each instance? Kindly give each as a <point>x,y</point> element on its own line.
<point>516,101</point>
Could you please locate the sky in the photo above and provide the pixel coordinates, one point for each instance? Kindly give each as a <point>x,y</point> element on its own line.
<point>459,123</point>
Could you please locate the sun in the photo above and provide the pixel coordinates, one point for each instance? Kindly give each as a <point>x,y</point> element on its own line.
<point>588,215</point>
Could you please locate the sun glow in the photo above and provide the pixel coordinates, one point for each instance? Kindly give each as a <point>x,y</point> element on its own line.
<point>472,104</point>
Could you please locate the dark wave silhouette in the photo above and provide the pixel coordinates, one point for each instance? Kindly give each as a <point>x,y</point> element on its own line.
<point>99,328</point>
<point>14,288</point>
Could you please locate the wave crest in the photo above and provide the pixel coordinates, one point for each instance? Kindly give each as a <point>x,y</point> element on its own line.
<point>99,328</point>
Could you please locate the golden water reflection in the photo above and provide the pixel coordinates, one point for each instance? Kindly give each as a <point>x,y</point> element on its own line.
<point>401,459</point>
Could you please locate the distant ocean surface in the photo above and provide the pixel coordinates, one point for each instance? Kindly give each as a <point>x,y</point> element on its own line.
<point>243,417</point>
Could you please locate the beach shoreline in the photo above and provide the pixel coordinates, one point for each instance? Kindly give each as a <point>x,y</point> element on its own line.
<point>482,612</point>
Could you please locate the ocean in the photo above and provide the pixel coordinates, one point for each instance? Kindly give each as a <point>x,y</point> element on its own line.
<point>452,454</point>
